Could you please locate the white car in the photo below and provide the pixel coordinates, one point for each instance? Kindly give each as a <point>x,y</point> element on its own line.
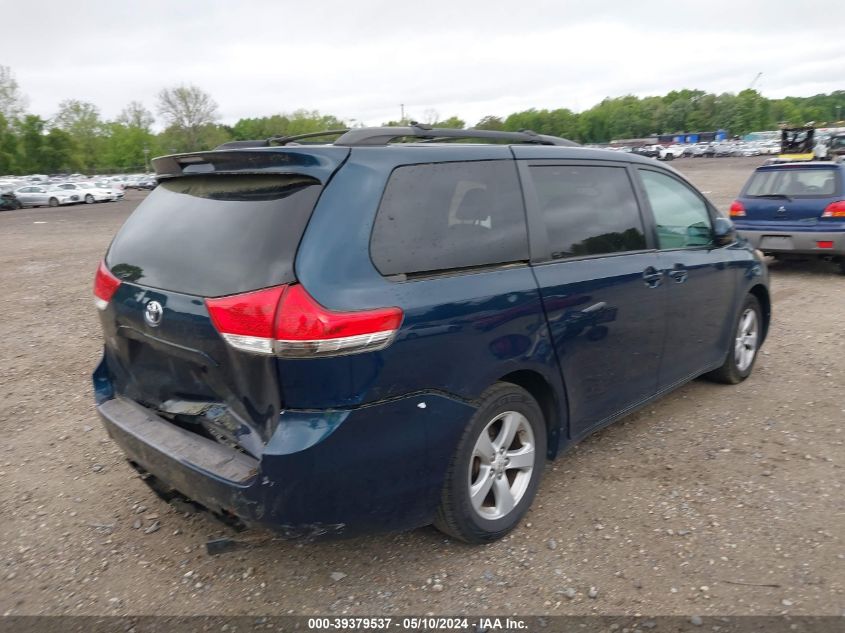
<point>671,153</point>
<point>45,195</point>
<point>90,192</point>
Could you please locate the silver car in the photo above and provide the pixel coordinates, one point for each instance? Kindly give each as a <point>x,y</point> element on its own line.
<point>45,195</point>
<point>90,193</point>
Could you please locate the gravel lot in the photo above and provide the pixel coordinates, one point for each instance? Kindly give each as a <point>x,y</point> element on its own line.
<point>715,500</point>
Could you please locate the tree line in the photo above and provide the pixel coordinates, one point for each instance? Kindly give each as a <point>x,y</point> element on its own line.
<point>78,139</point>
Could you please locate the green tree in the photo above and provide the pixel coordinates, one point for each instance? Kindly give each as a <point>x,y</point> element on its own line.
<point>8,147</point>
<point>33,152</point>
<point>490,122</point>
<point>81,120</point>
<point>59,152</point>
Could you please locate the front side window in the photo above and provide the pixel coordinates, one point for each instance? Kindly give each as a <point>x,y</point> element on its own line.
<point>588,210</point>
<point>681,216</point>
<point>443,216</point>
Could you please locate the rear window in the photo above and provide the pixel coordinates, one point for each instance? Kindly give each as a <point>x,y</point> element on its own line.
<point>445,216</point>
<point>792,182</point>
<point>215,235</point>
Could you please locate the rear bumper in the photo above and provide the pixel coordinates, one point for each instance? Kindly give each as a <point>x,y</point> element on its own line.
<point>796,242</point>
<point>375,468</point>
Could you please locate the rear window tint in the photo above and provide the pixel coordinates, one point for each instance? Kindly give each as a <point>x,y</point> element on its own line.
<point>444,216</point>
<point>793,182</point>
<point>588,210</point>
<point>215,235</point>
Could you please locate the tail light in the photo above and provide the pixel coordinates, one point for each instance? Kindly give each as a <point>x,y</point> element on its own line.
<point>737,210</point>
<point>105,285</point>
<point>288,322</point>
<point>835,210</point>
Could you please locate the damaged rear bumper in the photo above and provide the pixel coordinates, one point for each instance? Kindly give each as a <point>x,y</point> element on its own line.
<point>373,468</point>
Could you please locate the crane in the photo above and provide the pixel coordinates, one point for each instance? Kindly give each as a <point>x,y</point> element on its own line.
<point>755,80</point>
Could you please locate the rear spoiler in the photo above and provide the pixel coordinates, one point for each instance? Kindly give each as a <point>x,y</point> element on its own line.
<point>319,162</point>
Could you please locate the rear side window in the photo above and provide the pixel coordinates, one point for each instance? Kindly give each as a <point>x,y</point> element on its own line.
<point>443,216</point>
<point>588,210</point>
<point>215,235</point>
<point>793,182</point>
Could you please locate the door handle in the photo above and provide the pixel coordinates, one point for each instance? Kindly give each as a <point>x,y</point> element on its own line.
<point>652,277</point>
<point>679,273</point>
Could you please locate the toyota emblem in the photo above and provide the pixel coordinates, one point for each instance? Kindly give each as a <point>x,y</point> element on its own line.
<point>153,313</point>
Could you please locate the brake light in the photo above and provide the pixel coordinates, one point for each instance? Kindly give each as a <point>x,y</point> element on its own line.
<point>246,320</point>
<point>105,285</point>
<point>835,210</point>
<point>824,244</point>
<point>737,210</point>
<point>288,322</point>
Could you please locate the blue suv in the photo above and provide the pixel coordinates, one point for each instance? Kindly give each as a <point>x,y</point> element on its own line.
<point>394,329</point>
<point>794,209</point>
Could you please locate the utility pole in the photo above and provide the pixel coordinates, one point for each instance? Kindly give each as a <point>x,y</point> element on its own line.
<point>147,158</point>
<point>402,110</point>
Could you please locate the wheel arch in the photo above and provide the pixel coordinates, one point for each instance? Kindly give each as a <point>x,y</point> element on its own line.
<point>555,413</point>
<point>762,294</point>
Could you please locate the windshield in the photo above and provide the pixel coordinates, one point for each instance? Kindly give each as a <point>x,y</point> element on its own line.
<point>216,235</point>
<point>792,182</point>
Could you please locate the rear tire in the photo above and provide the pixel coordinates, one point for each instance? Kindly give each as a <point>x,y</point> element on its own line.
<point>89,199</point>
<point>745,345</point>
<point>496,469</point>
<point>53,202</point>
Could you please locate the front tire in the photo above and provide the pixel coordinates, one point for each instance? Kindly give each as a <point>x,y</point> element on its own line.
<point>748,335</point>
<point>496,470</point>
<point>89,199</point>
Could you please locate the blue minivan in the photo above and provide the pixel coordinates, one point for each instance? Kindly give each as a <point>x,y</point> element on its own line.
<point>395,329</point>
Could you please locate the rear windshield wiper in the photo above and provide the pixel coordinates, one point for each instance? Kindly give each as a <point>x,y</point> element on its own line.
<point>778,196</point>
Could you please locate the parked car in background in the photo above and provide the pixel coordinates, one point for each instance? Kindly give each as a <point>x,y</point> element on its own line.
<point>146,184</point>
<point>90,192</point>
<point>836,148</point>
<point>649,151</point>
<point>46,195</point>
<point>672,152</point>
<point>794,209</point>
<point>9,201</point>
<point>425,371</point>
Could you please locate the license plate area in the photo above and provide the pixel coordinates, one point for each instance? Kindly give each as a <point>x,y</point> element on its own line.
<point>776,243</point>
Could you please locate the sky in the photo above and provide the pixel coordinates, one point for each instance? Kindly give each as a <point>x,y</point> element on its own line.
<point>361,59</point>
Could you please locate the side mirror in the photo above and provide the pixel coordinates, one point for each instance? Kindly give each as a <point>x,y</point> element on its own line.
<point>724,232</point>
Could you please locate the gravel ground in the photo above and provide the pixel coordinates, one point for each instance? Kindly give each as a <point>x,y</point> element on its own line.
<point>714,500</point>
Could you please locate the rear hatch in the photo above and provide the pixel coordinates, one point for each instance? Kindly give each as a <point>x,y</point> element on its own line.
<point>218,224</point>
<point>789,196</point>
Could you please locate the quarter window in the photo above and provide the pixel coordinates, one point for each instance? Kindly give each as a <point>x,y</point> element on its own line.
<point>588,210</point>
<point>680,215</point>
<point>443,216</point>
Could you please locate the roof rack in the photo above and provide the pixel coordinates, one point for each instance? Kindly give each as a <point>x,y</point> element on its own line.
<point>375,136</point>
<point>279,140</point>
<point>379,136</point>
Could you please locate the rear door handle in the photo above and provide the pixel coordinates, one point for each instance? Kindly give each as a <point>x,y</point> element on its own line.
<point>679,273</point>
<point>652,277</point>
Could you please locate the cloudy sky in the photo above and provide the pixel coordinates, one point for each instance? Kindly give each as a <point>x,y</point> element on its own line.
<point>359,59</point>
